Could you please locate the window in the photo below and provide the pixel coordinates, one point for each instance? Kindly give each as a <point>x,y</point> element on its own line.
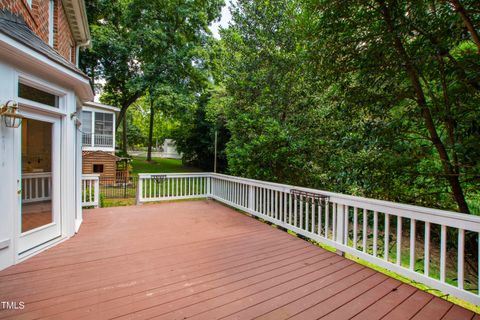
<point>103,123</point>
<point>51,10</point>
<point>37,95</point>
<point>98,168</point>
<point>86,121</point>
<point>29,3</point>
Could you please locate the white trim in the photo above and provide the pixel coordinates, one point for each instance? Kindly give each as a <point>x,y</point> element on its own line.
<point>77,19</point>
<point>33,252</point>
<point>94,106</point>
<point>27,58</point>
<point>35,82</point>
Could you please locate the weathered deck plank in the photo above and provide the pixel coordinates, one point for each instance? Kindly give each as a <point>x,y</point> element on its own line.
<point>202,260</point>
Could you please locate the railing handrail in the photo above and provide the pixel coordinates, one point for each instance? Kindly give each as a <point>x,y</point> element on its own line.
<point>97,134</point>
<point>174,175</point>
<point>36,174</point>
<point>376,205</point>
<point>90,176</point>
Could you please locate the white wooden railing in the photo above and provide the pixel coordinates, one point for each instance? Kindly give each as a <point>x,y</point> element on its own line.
<point>379,232</point>
<point>158,187</point>
<point>90,190</point>
<point>36,187</point>
<point>97,140</point>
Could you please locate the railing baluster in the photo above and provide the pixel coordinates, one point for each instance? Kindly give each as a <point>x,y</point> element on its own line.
<point>155,190</point>
<point>301,212</point>
<point>426,250</point>
<point>346,213</point>
<point>334,221</point>
<point>386,237</point>
<point>412,243</point>
<point>306,213</point>
<point>375,232</point>
<point>443,252</point>
<point>276,204</point>
<point>319,212</point>
<point>461,253</point>
<point>290,208</point>
<point>312,229</point>
<point>355,225</point>
<point>399,240</point>
<point>364,231</point>
<point>327,218</point>
<point>295,209</point>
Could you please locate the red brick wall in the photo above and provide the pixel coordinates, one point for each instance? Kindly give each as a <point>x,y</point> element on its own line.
<point>36,18</point>
<point>63,40</point>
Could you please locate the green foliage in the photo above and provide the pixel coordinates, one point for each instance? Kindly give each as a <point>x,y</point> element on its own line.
<point>372,98</point>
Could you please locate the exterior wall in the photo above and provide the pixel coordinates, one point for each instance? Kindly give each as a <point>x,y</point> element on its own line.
<point>10,164</point>
<point>37,20</point>
<point>63,40</point>
<point>100,157</point>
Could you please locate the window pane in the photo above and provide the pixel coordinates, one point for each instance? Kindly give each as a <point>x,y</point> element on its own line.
<point>86,121</point>
<point>37,95</point>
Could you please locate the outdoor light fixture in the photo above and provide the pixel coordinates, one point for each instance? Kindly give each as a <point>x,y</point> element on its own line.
<point>9,112</point>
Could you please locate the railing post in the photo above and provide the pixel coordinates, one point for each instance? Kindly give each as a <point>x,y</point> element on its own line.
<point>251,198</point>
<point>340,228</point>
<point>96,195</point>
<point>208,191</point>
<point>139,190</point>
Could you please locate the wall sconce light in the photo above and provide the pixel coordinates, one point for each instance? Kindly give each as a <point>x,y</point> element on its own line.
<point>9,112</point>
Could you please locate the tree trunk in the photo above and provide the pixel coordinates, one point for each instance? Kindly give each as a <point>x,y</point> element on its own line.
<point>124,135</point>
<point>127,102</point>
<point>412,73</point>
<point>467,22</point>
<point>150,131</point>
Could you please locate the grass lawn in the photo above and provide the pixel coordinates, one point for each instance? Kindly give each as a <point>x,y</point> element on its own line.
<point>159,165</point>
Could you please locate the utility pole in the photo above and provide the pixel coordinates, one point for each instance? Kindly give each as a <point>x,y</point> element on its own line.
<point>215,159</point>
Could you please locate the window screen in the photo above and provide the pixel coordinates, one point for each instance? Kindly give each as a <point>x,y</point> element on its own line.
<point>103,123</point>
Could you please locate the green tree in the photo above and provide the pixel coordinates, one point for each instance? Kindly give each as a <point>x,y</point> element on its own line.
<point>111,62</point>
<point>171,36</point>
<point>375,98</point>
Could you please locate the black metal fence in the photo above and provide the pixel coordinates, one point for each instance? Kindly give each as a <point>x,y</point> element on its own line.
<point>114,188</point>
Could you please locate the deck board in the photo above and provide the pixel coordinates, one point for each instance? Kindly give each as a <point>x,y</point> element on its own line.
<point>202,260</point>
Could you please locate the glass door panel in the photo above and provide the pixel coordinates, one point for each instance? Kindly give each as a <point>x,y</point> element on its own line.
<point>36,174</point>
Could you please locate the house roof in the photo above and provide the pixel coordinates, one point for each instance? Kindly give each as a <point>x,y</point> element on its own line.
<point>97,152</point>
<point>15,27</point>
<point>96,105</point>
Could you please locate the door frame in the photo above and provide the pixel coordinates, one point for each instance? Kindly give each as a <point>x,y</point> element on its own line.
<point>36,237</point>
<point>39,111</point>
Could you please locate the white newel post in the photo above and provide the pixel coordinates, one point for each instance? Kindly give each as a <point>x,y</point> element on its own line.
<point>139,190</point>
<point>208,192</point>
<point>340,228</point>
<point>96,195</point>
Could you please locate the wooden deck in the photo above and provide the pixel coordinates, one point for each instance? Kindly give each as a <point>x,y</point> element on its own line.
<point>202,260</point>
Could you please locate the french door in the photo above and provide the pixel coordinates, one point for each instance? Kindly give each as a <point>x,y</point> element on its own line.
<point>39,184</point>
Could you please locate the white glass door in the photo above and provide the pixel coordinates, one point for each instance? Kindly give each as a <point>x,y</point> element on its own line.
<point>40,181</point>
